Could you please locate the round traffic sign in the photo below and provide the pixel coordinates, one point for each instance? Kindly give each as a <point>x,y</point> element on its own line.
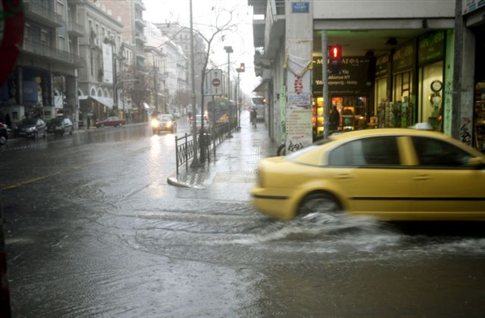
<point>216,82</point>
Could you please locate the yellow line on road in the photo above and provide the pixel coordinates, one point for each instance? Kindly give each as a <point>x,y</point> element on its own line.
<point>29,181</point>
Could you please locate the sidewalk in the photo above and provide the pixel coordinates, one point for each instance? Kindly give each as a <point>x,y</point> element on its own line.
<point>236,159</point>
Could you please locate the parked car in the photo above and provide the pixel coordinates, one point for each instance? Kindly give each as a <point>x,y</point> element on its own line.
<point>3,134</point>
<point>163,122</point>
<point>392,174</point>
<point>59,126</point>
<point>32,128</point>
<point>113,121</point>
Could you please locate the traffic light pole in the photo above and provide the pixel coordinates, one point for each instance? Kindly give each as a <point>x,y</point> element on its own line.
<point>326,98</point>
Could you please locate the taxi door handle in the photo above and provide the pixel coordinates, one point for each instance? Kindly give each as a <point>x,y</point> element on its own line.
<point>422,177</point>
<point>344,176</point>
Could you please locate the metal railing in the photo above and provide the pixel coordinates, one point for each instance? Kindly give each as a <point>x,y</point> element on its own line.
<point>207,143</point>
<point>43,11</point>
<point>45,50</point>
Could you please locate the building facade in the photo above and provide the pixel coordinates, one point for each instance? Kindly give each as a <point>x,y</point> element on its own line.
<point>98,81</point>
<point>397,66</point>
<point>44,82</point>
<point>180,35</point>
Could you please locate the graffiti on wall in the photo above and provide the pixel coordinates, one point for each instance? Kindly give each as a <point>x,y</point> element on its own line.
<point>465,128</point>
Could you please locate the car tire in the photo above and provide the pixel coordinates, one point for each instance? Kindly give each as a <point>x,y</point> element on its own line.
<point>319,202</point>
<point>3,140</point>
<point>70,132</point>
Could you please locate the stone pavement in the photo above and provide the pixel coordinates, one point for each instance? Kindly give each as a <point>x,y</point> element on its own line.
<point>236,160</point>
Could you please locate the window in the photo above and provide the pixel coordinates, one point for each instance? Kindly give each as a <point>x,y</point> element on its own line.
<point>438,153</point>
<point>62,43</point>
<point>44,36</point>
<point>375,151</point>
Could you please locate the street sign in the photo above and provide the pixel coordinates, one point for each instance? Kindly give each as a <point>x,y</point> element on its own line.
<point>216,82</point>
<point>213,83</point>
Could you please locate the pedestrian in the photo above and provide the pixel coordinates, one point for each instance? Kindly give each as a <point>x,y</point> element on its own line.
<point>8,121</point>
<point>334,119</point>
<point>253,115</point>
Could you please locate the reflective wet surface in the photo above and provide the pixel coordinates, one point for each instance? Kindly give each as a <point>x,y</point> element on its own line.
<point>93,229</point>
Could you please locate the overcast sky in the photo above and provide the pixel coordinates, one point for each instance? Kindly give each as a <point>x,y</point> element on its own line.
<point>204,15</point>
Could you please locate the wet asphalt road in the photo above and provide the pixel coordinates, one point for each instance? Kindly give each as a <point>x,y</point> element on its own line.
<point>94,230</point>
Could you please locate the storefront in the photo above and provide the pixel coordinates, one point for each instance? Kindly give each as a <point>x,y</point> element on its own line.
<point>409,83</point>
<point>350,85</point>
<point>479,98</point>
<point>395,97</point>
<point>474,17</point>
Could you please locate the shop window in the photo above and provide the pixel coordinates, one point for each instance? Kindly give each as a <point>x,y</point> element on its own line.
<point>381,90</point>
<point>430,101</point>
<point>402,86</point>
<point>479,116</point>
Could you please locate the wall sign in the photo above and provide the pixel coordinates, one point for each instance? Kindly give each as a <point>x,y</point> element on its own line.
<point>300,7</point>
<point>431,48</point>
<point>472,5</point>
<point>351,76</point>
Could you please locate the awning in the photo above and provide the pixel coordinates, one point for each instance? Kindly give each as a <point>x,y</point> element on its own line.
<point>262,87</point>
<point>106,101</point>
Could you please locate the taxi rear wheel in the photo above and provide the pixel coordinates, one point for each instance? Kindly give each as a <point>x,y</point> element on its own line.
<point>320,202</point>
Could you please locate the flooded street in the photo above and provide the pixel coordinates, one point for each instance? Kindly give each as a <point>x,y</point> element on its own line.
<point>93,229</point>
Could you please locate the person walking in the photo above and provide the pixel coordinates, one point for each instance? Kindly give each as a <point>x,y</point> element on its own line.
<point>334,119</point>
<point>253,115</point>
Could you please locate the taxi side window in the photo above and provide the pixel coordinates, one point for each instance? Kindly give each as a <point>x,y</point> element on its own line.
<point>437,153</point>
<point>367,152</point>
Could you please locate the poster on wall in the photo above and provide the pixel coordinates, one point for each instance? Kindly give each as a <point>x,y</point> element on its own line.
<point>107,64</point>
<point>299,121</point>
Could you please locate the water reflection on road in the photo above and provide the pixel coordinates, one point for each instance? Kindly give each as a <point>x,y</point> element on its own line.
<point>93,229</point>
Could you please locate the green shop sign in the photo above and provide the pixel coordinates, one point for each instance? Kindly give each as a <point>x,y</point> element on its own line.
<point>431,48</point>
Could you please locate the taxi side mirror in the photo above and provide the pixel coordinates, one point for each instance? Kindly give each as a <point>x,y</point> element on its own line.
<point>477,163</point>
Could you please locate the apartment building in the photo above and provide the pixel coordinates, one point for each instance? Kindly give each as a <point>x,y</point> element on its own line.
<point>44,81</point>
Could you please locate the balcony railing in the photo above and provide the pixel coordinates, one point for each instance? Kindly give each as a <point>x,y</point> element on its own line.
<point>140,37</point>
<point>42,12</point>
<point>140,4</point>
<point>46,51</point>
<point>278,7</point>
<point>140,22</point>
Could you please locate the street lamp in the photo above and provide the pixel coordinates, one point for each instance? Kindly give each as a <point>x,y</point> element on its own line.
<point>229,50</point>
<point>239,70</point>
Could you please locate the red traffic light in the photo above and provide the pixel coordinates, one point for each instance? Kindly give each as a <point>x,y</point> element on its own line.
<point>335,52</point>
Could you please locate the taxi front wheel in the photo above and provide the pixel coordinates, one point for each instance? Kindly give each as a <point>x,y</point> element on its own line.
<point>320,202</point>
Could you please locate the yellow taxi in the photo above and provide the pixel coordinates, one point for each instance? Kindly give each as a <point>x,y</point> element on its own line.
<point>392,174</point>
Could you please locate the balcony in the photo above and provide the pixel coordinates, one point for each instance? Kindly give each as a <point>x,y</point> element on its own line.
<point>274,27</point>
<point>42,14</point>
<point>75,29</point>
<point>139,22</point>
<point>139,3</point>
<point>39,49</point>
<point>140,37</point>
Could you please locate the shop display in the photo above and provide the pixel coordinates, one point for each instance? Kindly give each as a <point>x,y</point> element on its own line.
<point>479,132</point>
<point>395,114</point>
